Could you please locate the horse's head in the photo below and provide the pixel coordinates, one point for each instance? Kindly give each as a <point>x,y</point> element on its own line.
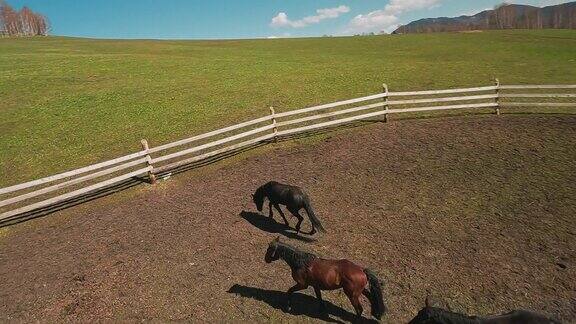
<point>258,199</point>
<point>271,254</point>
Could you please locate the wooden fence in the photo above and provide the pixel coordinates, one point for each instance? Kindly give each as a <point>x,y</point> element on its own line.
<point>31,196</point>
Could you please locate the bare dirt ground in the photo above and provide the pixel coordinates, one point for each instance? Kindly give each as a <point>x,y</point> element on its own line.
<point>479,212</point>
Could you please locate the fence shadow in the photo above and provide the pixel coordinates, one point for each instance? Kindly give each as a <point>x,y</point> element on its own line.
<point>44,211</point>
<point>301,304</point>
<point>232,153</point>
<point>269,225</point>
<point>222,156</point>
<point>327,130</point>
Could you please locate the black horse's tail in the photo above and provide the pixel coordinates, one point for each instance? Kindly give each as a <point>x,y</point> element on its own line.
<point>374,294</point>
<point>313,218</point>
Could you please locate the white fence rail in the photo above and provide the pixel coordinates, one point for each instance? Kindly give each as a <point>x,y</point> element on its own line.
<point>150,161</point>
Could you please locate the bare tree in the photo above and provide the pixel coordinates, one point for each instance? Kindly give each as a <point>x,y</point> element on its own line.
<point>23,23</point>
<point>25,19</point>
<point>2,23</point>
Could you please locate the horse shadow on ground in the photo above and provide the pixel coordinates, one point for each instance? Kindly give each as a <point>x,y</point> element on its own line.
<point>269,225</point>
<point>302,304</point>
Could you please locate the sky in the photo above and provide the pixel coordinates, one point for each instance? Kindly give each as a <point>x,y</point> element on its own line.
<point>233,19</point>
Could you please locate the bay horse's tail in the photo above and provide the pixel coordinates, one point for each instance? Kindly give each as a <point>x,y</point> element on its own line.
<point>313,218</point>
<point>374,295</point>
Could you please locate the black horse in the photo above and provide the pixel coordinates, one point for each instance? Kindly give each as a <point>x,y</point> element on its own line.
<point>434,315</point>
<point>290,196</point>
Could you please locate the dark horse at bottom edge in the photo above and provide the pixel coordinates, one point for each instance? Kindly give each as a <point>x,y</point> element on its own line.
<point>435,315</point>
<point>294,198</point>
<point>321,274</point>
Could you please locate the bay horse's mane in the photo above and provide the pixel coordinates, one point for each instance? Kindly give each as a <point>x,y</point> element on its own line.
<point>295,258</point>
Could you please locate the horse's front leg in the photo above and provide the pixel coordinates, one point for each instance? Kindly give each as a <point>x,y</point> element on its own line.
<point>270,214</point>
<point>293,289</point>
<point>319,296</point>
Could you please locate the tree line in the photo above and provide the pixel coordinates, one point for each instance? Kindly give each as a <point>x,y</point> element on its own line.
<point>22,23</point>
<point>507,16</point>
<point>504,16</point>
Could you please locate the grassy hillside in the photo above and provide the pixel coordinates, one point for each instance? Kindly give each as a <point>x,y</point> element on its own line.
<point>68,102</point>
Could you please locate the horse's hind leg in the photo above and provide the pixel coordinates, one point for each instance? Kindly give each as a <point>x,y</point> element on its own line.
<point>354,298</point>
<point>300,219</point>
<point>366,293</point>
<point>281,214</point>
<point>357,305</point>
<point>299,224</point>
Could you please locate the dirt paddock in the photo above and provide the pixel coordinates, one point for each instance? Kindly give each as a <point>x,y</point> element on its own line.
<point>479,212</point>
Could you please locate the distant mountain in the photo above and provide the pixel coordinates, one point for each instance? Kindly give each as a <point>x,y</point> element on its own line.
<point>506,16</point>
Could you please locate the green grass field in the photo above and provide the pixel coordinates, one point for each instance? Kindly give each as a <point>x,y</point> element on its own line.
<point>66,103</point>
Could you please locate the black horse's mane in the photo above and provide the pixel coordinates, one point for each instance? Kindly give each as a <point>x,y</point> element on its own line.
<point>295,258</point>
<point>452,317</point>
<point>260,192</point>
<point>439,315</point>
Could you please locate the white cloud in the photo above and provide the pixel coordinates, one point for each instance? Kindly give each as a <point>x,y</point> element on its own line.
<point>540,3</point>
<point>285,35</point>
<point>472,12</point>
<point>552,2</point>
<point>373,21</point>
<point>387,19</point>
<point>399,6</point>
<point>282,20</point>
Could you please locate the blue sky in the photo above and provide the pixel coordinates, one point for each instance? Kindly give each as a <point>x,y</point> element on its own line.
<point>217,19</point>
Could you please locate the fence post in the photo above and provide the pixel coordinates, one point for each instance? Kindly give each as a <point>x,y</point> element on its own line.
<point>497,82</point>
<point>145,147</point>
<point>385,88</point>
<point>275,129</point>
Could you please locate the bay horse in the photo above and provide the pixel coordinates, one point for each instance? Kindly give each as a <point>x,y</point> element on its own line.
<point>322,274</point>
<point>294,198</point>
<point>434,315</point>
